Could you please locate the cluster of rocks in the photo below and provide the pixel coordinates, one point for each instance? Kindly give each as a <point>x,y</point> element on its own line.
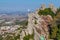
<point>41,27</point>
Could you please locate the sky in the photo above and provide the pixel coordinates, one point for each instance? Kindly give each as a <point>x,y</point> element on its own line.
<point>24,5</point>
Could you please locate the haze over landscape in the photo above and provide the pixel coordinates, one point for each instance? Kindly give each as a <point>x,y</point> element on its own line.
<point>29,19</point>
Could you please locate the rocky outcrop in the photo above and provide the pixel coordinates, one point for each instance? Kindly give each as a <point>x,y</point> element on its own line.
<point>41,26</point>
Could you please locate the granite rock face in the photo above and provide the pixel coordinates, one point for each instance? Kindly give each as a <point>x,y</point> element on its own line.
<point>41,25</point>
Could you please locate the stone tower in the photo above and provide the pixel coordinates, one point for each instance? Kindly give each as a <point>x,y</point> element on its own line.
<point>43,7</point>
<point>53,8</point>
